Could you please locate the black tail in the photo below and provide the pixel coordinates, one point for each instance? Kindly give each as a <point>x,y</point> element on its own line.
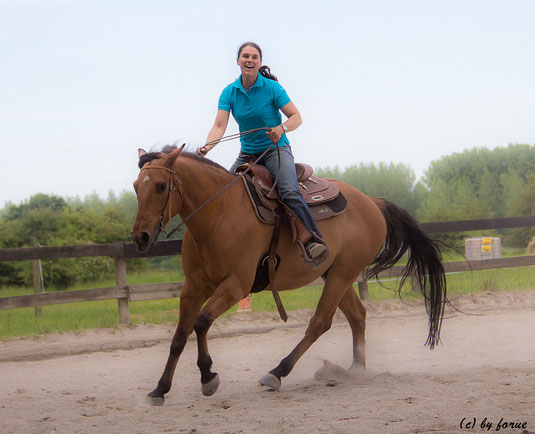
<point>424,262</point>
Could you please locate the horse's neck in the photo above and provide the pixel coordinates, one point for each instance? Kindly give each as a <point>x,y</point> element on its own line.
<point>199,183</point>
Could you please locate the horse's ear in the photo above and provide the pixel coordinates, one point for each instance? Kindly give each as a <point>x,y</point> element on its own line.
<point>171,158</point>
<point>141,152</point>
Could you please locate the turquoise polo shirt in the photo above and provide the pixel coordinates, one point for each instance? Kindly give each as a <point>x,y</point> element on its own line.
<point>258,107</point>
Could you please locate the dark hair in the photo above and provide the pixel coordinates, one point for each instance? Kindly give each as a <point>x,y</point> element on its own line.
<point>149,156</point>
<point>264,70</point>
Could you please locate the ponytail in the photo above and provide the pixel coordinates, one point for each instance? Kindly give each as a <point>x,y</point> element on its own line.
<point>264,70</point>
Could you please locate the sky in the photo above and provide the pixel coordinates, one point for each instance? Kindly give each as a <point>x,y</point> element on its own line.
<point>84,84</point>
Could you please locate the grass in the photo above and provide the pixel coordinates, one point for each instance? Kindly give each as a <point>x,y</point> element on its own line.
<point>88,315</point>
<point>99,314</point>
<point>58,318</point>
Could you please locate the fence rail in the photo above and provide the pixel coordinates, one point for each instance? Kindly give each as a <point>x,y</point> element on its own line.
<point>124,293</point>
<point>127,250</point>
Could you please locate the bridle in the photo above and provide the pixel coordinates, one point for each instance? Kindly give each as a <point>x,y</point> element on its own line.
<point>173,179</point>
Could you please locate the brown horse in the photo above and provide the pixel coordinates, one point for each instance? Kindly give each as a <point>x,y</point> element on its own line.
<point>225,240</point>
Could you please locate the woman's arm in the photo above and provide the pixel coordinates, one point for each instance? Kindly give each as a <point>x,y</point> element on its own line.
<point>217,131</point>
<point>292,123</point>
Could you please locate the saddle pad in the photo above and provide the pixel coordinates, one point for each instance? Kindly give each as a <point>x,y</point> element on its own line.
<point>320,211</point>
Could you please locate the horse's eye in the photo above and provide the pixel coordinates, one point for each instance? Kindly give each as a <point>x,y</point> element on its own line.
<point>161,187</point>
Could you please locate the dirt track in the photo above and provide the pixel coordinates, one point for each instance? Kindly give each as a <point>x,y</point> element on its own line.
<point>485,368</point>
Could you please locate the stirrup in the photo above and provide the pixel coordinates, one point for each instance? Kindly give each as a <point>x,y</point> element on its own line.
<point>314,249</point>
<point>322,254</point>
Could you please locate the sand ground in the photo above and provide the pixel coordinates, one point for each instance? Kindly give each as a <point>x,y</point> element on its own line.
<point>96,381</point>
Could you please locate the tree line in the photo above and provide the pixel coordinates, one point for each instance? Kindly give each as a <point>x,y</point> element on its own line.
<point>477,183</point>
<point>53,221</point>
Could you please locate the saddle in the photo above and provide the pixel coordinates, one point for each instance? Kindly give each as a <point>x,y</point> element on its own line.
<point>324,200</point>
<point>322,196</point>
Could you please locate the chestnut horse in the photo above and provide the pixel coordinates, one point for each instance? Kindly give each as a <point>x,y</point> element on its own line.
<point>225,240</point>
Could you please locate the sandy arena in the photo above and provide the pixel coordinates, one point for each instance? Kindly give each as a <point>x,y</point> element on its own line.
<point>480,378</point>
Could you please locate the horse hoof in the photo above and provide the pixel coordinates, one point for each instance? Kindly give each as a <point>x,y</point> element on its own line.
<point>211,387</point>
<point>269,380</point>
<point>155,398</point>
<point>155,401</point>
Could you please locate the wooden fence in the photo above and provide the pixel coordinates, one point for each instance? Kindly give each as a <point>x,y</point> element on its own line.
<point>124,293</point>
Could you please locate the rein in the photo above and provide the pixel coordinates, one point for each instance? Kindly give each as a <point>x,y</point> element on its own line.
<point>235,136</point>
<point>172,174</point>
<point>216,195</point>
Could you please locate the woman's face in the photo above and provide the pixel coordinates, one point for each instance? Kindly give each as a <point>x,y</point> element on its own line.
<point>249,61</point>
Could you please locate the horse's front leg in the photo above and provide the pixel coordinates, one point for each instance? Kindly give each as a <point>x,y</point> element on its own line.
<point>226,295</point>
<point>190,305</point>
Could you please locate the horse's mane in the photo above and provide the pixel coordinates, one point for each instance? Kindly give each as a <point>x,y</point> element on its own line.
<point>167,149</point>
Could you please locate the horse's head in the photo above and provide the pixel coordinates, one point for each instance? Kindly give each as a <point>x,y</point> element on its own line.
<point>158,196</point>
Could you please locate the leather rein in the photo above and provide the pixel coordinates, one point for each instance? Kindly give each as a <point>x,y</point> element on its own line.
<point>174,177</point>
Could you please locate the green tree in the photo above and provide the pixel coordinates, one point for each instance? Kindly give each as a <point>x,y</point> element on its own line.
<point>494,174</point>
<point>394,182</point>
<point>512,184</point>
<point>54,221</point>
<point>523,205</point>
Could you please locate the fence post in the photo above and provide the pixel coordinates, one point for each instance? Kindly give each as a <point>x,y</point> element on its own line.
<point>36,277</point>
<point>363,288</point>
<point>120,283</point>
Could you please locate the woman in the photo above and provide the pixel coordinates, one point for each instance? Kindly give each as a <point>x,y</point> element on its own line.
<point>256,100</point>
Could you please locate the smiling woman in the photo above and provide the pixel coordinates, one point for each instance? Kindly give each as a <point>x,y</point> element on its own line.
<point>249,61</point>
<point>256,101</point>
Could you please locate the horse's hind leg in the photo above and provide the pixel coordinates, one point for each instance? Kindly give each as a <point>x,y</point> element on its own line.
<point>321,321</point>
<point>355,313</point>
<point>190,305</point>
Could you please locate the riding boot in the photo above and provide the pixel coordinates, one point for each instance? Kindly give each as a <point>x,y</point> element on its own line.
<point>314,249</point>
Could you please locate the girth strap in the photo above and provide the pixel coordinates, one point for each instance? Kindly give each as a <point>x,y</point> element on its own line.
<point>272,262</point>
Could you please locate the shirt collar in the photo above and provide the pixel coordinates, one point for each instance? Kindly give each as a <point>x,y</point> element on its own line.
<point>258,83</point>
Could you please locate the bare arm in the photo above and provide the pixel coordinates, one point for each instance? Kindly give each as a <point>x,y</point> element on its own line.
<point>292,123</point>
<point>217,131</point>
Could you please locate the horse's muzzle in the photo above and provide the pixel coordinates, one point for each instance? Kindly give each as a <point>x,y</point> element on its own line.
<point>142,240</point>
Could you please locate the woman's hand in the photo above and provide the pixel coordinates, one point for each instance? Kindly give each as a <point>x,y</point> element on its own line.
<point>202,151</point>
<point>275,133</point>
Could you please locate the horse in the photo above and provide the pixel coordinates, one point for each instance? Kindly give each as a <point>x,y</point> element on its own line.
<point>224,240</point>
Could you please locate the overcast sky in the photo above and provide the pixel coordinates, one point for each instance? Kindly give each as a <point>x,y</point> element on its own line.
<point>85,83</point>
